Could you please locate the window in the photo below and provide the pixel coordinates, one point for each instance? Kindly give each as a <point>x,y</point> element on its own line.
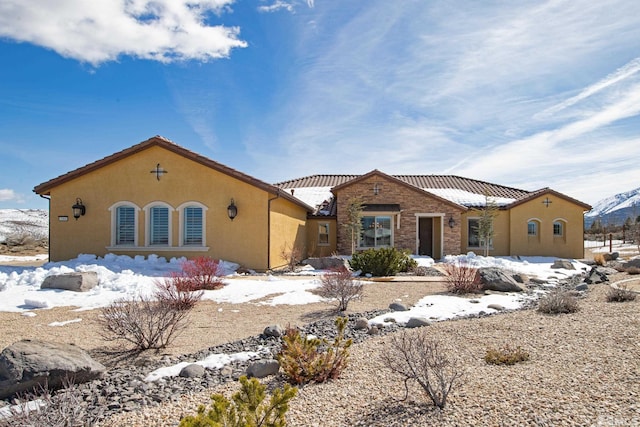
<point>473,234</point>
<point>558,229</point>
<point>192,226</point>
<point>323,234</point>
<point>125,226</point>
<point>376,232</point>
<point>532,228</point>
<point>159,225</point>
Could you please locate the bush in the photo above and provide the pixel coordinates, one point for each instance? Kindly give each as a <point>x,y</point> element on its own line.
<point>201,273</point>
<point>302,361</point>
<point>558,301</point>
<point>427,361</point>
<point>506,355</point>
<point>620,294</point>
<point>171,292</point>
<point>462,278</point>
<point>246,408</point>
<point>599,259</point>
<point>340,286</point>
<point>382,261</point>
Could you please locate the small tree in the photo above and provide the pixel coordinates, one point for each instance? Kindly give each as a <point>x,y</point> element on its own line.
<point>339,286</point>
<point>485,222</point>
<point>353,223</point>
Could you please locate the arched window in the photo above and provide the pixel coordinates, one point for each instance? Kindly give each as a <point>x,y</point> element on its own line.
<point>559,226</point>
<point>192,224</point>
<point>533,227</point>
<point>158,224</point>
<point>124,224</point>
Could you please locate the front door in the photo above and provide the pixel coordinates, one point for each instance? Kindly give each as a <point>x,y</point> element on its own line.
<point>425,236</point>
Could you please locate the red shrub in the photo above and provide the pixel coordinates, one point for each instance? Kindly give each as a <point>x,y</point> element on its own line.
<point>202,273</point>
<point>462,278</point>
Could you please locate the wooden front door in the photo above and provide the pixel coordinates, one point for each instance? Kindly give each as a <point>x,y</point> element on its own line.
<point>425,236</point>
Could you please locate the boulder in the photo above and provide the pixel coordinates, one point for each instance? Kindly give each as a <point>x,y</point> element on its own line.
<point>611,256</point>
<point>326,263</point>
<point>563,263</point>
<point>263,368</point>
<point>362,323</point>
<point>28,364</point>
<point>496,307</point>
<point>76,282</point>
<point>596,276</point>
<point>494,279</point>
<point>273,331</point>
<point>192,371</point>
<point>632,263</point>
<point>582,287</point>
<point>417,322</point>
<point>520,277</point>
<point>396,306</point>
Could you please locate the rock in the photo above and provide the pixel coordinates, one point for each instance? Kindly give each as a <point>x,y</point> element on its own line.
<point>494,279</point>
<point>497,307</point>
<point>76,282</point>
<point>611,256</point>
<point>226,371</point>
<point>362,323</point>
<point>263,368</point>
<point>326,263</point>
<point>520,278</point>
<point>28,364</point>
<point>537,281</point>
<point>563,263</point>
<point>582,287</point>
<point>417,322</point>
<point>635,262</point>
<point>273,331</point>
<point>596,276</point>
<point>373,330</point>
<point>192,371</point>
<point>396,306</point>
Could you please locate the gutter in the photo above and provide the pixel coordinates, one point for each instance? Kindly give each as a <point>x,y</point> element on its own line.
<point>269,228</point>
<point>49,245</point>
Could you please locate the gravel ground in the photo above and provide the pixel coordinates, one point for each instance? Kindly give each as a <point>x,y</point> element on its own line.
<point>584,370</point>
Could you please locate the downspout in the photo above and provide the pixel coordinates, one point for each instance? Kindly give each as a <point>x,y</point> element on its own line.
<point>269,228</point>
<point>49,244</point>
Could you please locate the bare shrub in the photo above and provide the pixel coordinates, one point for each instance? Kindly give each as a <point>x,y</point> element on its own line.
<point>557,302</point>
<point>620,294</point>
<point>599,259</point>
<point>173,292</point>
<point>427,361</point>
<point>302,360</point>
<point>462,278</point>
<point>292,254</point>
<point>339,286</point>
<point>506,355</point>
<point>201,273</point>
<point>143,323</point>
<point>65,408</point>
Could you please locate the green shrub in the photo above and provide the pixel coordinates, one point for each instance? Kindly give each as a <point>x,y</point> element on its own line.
<point>557,301</point>
<point>382,261</point>
<point>620,294</point>
<point>247,408</point>
<point>506,355</point>
<point>302,361</point>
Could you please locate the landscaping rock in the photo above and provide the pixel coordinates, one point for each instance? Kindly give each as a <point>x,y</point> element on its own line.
<point>497,307</point>
<point>76,282</point>
<point>611,256</point>
<point>596,275</point>
<point>632,263</point>
<point>520,278</point>
<point>362,323</point>
<point>263,368</point>
<point>192,371</point>
<point>326,263</point>
<point>417,322</point>
<point>494,279</point>
<point>396,306</point>
<point>28,364</point>
<point>273,331</point>
<point>563,263</point>
<point>582,287</point>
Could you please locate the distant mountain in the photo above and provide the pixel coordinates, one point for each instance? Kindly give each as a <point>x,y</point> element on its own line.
<point>616,209</point>
<point>34,222</point>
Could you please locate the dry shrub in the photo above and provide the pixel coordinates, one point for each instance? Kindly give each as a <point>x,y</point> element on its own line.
<point>292,255</point>
<point>620,294</point>
<point>171,291</point>
<point>302,361</point>
<point>201,273</point>
<point>462,278</point>
<point>599,259</point>
<point>557,302</point>
<point>633,271</point>
<point>339,286</point>
<point>506,355</point>
<point>433,365</point>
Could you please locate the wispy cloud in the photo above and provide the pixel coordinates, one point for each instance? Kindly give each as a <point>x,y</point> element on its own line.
<point>278,5</point>
<point>102,30</point>
<point>8,195</point>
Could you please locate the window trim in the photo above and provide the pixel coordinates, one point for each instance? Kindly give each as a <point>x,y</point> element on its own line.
<point>181,218</point>
<point>114,223</point>
<point>328,233</point>
<point>563,228</point>
<point>391,216</point>
<point>536,223</point>
<point>147,224</point>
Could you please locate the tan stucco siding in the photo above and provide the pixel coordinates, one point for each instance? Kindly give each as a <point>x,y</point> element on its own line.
<point>242,240</point>
<point>288,231</point>
<point>501,234</point>
<point>570,245</point>
<point>314,248</point>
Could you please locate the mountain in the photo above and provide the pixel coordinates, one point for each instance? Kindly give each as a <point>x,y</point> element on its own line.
<point>616,209</point>
<point>32,222</point>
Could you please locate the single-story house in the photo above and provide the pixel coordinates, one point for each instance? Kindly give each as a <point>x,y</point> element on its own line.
<point>157,197</point>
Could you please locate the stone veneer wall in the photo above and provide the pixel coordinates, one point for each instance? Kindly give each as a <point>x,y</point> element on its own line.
<point>411,201</point>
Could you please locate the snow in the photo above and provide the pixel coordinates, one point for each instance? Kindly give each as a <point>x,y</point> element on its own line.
<point>312,196</point>
<point>467,198</point>
<point>32,221</point>
<point>611,204</point>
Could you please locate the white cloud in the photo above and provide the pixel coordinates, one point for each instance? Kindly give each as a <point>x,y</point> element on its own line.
<point>8,195</point>
<point>102,30</point>
<point>276,6</point>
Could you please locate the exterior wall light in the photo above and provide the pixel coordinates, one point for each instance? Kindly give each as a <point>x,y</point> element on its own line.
<point>452,222</point>
<point>78,209</point>
<point>232,210</point>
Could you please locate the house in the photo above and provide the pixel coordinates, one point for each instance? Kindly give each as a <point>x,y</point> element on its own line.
<point>157,197</point>
<point>438,215</point>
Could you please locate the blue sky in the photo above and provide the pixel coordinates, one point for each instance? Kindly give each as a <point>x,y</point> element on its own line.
<point>528,94</point>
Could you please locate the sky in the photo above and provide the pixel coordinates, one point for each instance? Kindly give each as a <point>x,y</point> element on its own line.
<point>528,94</point>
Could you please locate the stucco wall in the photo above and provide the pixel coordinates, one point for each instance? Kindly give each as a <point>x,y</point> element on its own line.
<point>412,204</point>
<point>501,234</point>
<point>243,240</point>
<point>288,231</point>
<point>318,250</point>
